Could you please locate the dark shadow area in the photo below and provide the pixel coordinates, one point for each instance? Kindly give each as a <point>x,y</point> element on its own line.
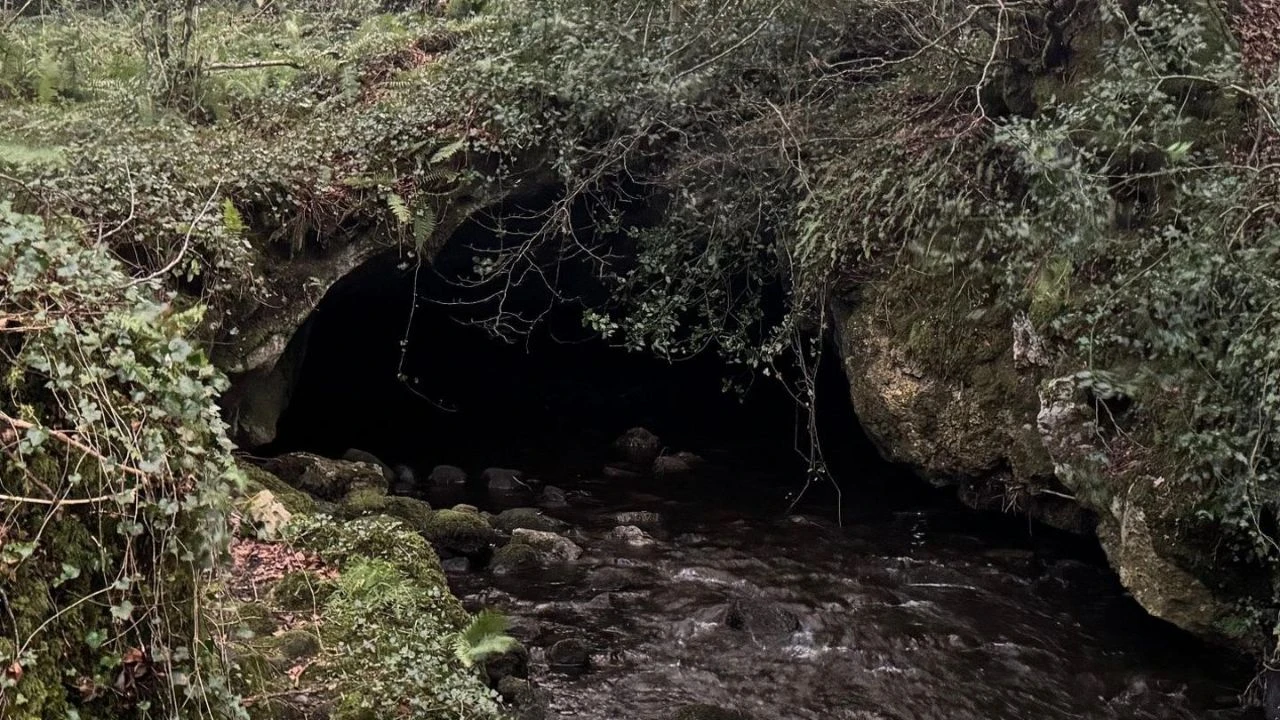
<point>401,361</point>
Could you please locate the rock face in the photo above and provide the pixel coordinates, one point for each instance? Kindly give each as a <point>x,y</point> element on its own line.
<point>965,396</point>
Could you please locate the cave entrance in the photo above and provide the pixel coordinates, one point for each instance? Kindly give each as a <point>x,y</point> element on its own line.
<point>401,361</point>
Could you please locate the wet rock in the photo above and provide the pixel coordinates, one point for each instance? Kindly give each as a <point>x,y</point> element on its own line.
<point>553,497</point>
<point>528,703</point>
<point>404,481</point>
<point>612,579</point>
<point>511,664</point>
<point>569,654</point>
<point>638,446</point>
<point>760,617</point>
<point>527,518</point>
<point>552,547</point>
<point>631,535</point>
<point>620,472</point>
<point>640,518</point>
<point>671,465</point>
<point>708,712</point>
<point>459,533</point>
<point>504,480</point>
<point>357,455</point>
<point>443,475</point>
<point>455,565</point>
<point>465,508</point>
<point>323,477</point>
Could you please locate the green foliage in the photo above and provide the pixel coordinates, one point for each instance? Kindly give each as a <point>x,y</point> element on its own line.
<point>484,637</point>
<point>391,625</point>
<point>116,473</point>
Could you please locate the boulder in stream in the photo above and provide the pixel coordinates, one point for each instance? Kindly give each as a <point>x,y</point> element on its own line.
<point>631,535</point>
<point>445,475</point>
<point>638,446</point>
<point>459,533</point>
<point>552,498</point>
<point>527,518</point>
<point>760,617</point>
<point>641,518</point>
<point>504,480</point>
<point>551,547</point>
<point>569,654</point>
<point>666,465</point>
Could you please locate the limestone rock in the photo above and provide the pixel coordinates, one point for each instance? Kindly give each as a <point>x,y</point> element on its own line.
<point>358,455</point>
<point>268,515</point>
<point>326,478</point>
<point>631,535</point>
<point>552,547</point>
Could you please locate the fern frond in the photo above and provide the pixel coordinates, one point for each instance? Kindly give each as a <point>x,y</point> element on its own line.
<point>424,226</point>
<point>483,638</point>
<point>399,208</point>
<point>447,151</point>
<point>231,218</point>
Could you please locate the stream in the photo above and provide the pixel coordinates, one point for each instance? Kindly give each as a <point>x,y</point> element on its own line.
<point>902,613</point>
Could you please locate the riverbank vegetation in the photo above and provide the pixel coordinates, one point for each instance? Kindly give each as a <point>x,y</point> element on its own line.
<point>1106,169</point>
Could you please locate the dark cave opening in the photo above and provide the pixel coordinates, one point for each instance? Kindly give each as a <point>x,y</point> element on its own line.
<point>399,362</point>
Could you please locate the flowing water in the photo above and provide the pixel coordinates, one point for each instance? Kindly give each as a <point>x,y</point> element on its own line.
<point>930,613</point>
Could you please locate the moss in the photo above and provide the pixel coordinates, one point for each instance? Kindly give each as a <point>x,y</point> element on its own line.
<point>362,501</point>
<point>530,518</point>
<point>301,591</point>
<point>293,499</point>
<point>256,618</point>
<point>415,513</point>
<point>376,538</point>
<point>460,532</point>
<point>515,556</point>
<point>392,640</point>
<point>293,645</point>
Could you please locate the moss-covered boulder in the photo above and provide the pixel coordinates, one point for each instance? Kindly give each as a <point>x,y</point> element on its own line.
<point>459,533</point>
<point>527,518</point>
<point>326,478</point>
<point>413,512</point>
<point>257,480</point>
<point>515,557</point>
<point>362,501</point>
<point>293,645</point>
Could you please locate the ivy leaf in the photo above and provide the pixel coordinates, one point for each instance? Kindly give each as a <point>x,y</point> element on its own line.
<point>122,611</point>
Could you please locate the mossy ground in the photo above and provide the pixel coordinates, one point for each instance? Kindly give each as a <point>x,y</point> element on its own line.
<point>358,624</point>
